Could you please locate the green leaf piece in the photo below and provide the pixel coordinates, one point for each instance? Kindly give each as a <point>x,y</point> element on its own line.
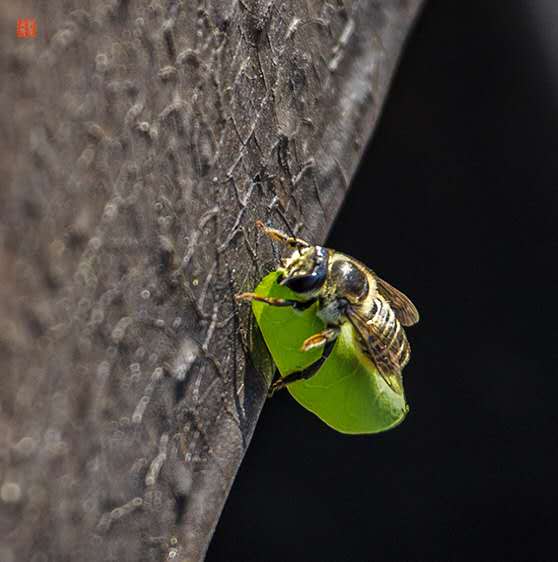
<point>346,393</point>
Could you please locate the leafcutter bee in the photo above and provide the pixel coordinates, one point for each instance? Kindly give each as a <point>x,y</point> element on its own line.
<point>346,291</point>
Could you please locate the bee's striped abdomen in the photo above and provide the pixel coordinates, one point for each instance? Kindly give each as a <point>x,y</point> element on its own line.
<point>387,339</point>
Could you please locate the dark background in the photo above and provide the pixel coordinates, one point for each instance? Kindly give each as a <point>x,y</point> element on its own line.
<point>456,204</point>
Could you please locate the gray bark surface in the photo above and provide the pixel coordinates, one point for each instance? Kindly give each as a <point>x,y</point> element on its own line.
<point>140,142</point>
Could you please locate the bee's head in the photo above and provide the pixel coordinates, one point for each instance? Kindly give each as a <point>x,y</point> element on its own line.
<point>305,270</point>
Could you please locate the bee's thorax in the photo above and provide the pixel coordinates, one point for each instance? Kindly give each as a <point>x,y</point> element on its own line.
<point>349,280</point>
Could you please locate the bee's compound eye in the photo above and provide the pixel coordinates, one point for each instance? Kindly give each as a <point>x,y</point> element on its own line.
<point>306,283</point>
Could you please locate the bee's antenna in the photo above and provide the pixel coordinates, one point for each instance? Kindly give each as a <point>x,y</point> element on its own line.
<point>294,237</point>
<point>275,234</point>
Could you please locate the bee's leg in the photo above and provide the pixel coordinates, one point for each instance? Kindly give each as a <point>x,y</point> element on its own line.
<point>282,382</point>
<point>298,305</point>
<point>321,338</point>
<point>281,236</point>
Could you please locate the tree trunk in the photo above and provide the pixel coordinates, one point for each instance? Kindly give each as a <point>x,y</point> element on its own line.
<point>141,142</point>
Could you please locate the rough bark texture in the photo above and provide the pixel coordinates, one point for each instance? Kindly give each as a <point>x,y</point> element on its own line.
<point>141,142</point>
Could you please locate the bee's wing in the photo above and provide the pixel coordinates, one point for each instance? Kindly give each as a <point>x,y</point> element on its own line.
<point>404,309</point>
<point>377,345</point>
